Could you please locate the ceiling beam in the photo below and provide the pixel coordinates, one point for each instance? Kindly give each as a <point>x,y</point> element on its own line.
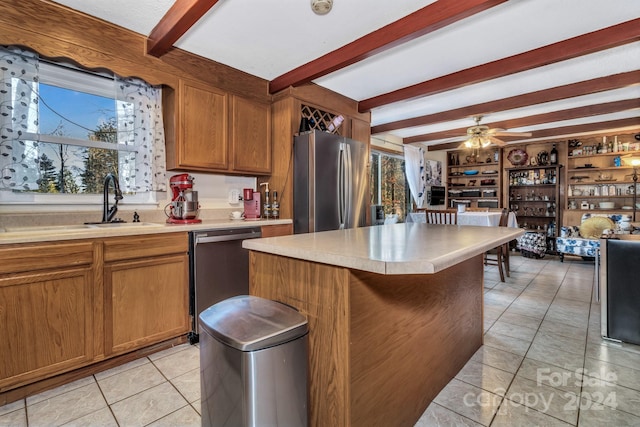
<point>536,119</point>
<point>558,132</point>
<point>586,87</point>
<point>428,19</point>
<point>177,21</point>
<point>595,41</point>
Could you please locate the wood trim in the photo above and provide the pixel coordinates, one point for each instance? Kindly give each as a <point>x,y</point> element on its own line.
<point>323,99</point>
<point>617,35</point>
<point>599,84</point>
<point>177,21</point>
<point>424,21</point>
<point>554,116</point>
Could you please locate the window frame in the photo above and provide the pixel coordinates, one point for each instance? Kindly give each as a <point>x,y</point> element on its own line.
<point>397,155</point>
<point>70,77</point>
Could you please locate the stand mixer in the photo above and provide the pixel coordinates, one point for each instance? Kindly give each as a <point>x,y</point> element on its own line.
<point>184,207</point>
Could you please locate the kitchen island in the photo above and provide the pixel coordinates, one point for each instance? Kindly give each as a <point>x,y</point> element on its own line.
<point>394,312</point>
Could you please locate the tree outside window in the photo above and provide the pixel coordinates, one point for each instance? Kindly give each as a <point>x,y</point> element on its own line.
<point>388,184</point>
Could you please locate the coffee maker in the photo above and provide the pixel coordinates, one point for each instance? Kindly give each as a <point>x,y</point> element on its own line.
<point>251,204</point>
<point>184,207</point>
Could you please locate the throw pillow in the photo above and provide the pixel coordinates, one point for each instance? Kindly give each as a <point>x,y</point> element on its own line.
<point>593,227</point>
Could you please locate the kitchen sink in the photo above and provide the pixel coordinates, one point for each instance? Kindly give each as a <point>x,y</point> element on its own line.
<point>124,224</point>
<point>78,227</point>
<point>40,228</point>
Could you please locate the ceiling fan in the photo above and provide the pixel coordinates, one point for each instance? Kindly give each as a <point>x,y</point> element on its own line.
<point>480,136</point>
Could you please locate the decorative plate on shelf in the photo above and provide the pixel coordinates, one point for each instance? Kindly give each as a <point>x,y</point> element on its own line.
<point>543,158</point>
<point>517,157</point>
<point>471,172</point>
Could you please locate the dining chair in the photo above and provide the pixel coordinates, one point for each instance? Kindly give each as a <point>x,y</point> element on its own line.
<point>501,252</point>
<point>443,216</point>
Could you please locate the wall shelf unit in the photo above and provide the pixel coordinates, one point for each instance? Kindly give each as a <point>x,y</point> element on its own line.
<point>534,196</point>
<point>474,177</point>
<point>601,182</point>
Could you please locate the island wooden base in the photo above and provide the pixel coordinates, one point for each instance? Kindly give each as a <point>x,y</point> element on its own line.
<point>381,347</point>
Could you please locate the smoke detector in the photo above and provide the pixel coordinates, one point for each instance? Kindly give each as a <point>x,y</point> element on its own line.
<point>321,7</point>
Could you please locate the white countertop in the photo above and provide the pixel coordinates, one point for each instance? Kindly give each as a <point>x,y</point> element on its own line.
<point>80,231</point>
<point>389,249</point>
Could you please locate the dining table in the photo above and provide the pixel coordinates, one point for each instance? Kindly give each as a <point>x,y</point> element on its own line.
<point>486,219</point>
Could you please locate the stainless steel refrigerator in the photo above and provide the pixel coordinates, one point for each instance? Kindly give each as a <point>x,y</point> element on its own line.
<point>619,289</point>
<point>330,182</point>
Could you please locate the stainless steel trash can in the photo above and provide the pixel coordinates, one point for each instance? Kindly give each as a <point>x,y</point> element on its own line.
<point>253,364</point>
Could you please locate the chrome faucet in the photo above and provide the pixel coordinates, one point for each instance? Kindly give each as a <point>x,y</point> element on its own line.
<point>109,212</point>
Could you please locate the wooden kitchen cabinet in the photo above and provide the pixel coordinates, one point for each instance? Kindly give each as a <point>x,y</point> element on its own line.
<point>250,142</point>
<point>146,290</point>
<point>47,308</point>
<point>200,128</point>
<point>214,131</point>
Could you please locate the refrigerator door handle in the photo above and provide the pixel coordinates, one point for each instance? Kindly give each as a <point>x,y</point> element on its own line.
<point>597,275</point>
<point>349,220</point>
<point>341,187</point>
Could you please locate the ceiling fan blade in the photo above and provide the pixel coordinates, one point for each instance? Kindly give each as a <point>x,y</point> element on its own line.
<point>506,133</point>
<point>496,141</point>
<point>453,139</point>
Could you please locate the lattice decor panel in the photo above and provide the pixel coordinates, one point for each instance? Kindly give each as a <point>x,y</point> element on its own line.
<point>318,119</point>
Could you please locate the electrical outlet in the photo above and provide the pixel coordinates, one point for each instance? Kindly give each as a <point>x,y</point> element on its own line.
<point>234,196</point>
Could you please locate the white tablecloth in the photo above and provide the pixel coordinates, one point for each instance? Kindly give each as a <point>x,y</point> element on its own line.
<point>486,219</point>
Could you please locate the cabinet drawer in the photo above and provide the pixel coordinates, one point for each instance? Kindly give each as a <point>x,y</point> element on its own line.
<point>277,230</point>
<point>131,247</point>
<point>42,256</point>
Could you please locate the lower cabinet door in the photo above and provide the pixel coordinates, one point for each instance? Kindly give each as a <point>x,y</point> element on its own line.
<point>45,324</point>
<point>146,301</point>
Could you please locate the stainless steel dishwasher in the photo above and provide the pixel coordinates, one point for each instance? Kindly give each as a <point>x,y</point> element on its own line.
<point>219,268</point>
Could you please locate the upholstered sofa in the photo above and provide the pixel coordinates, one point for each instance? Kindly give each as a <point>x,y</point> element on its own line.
<point>584,240</point>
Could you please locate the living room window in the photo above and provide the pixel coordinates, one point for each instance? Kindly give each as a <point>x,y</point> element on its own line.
<point>388,182</point>
<point>62,129</point>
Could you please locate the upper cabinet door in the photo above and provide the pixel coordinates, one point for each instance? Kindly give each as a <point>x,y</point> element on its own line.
<point>250,136</point>
<point>203,143</point>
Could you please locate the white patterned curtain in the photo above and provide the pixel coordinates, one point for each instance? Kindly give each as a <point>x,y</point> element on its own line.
<point>140,124</point>
<point>414,169</point>
<point>139,121</point>
<point>18,115</point>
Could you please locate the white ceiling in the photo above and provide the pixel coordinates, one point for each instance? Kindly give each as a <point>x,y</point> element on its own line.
<point>270,38</point>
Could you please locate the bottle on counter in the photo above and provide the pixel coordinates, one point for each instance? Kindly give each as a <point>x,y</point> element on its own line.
<point>275,206</point>
<point>553,156</point>
<point>266,207</point>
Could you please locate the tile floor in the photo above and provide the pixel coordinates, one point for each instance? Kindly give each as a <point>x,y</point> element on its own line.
<point>543,363</point>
